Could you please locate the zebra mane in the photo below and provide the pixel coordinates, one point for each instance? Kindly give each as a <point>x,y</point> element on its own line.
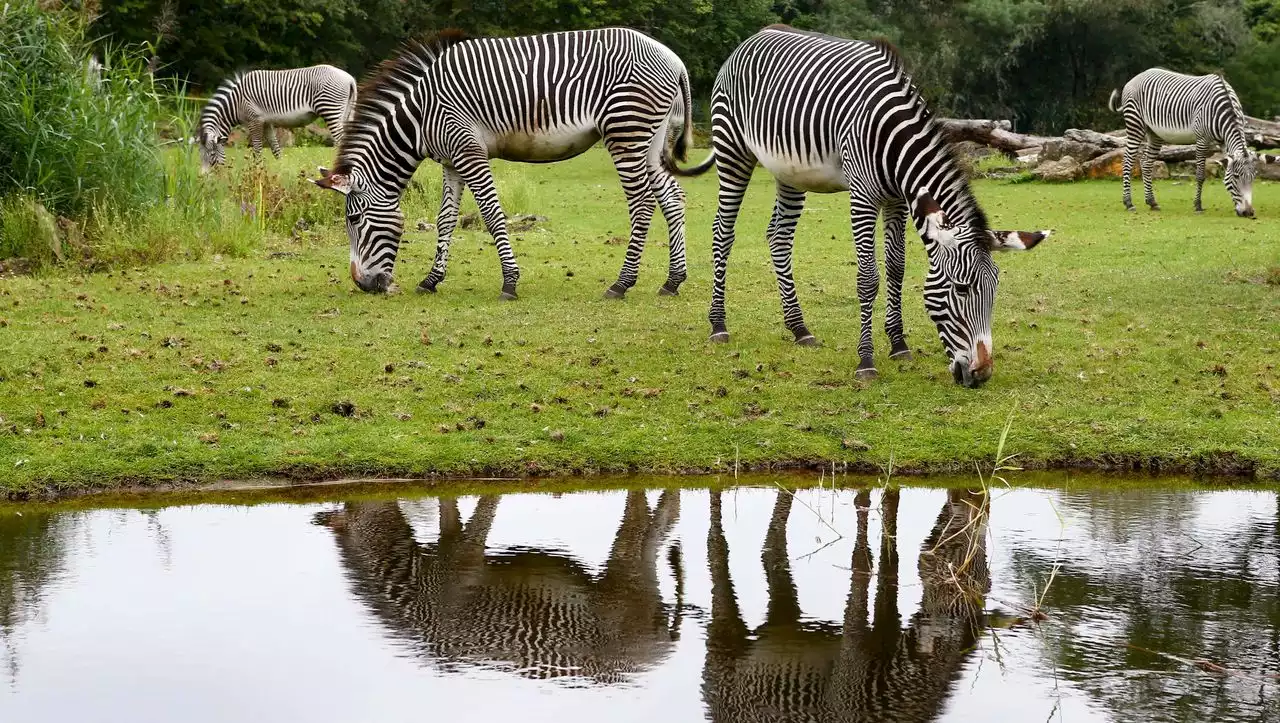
<point>973,215</point>
<point>889,51</point>
<point>380,85</point>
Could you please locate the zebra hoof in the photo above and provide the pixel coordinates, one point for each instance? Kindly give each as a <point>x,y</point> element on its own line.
<point>902,355</point>
<point>507,296</point>
<point>1155,207</point>
<point>664,290</point>
<point>426,288</point>
<point>808,340</point>
<point>866,375</point>
<point>613,293</point>
<point>719,337</point>
<point>1130,209</point>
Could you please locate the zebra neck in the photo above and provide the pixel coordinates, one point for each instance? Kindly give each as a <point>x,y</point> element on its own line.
<point>1233,139</point>
<point>375,144</point>
<point>223,110</point>
<point>917,158</point>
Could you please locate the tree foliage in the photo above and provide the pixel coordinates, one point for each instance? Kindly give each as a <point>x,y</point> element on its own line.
<point>1046,64</point>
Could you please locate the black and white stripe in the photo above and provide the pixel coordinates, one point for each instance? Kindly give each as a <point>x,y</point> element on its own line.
<point>1161,106</point>
<point>462,101</point>
<point>869,666</point>
<point>825,114</point>
<point>263,100</point>
<point>533,612</point>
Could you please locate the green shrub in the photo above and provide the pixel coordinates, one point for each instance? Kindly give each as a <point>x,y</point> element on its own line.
<point>82,179</point>
<point>67,138</point>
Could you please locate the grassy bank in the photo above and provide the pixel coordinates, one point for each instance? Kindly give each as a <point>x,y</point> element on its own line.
<point>1127,339</point>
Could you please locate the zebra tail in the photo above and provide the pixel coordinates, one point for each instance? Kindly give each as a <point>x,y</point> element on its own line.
<point>1111,100</point>
<point>685,140</point>
<point>669,164</point>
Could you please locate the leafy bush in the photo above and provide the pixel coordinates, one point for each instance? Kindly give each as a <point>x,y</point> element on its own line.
<point>81,177</point>
<point>73,140</point>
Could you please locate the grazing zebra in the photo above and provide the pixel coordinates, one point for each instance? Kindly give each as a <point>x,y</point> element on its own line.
<point>1161,106</point>
<point>536,613</point>
<point>826,114</point>
<point>791,668</point>
<point>263,100</point>
<point>461,101</point>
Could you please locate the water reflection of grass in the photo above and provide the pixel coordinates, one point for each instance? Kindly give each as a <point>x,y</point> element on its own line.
<point>1128,341</point>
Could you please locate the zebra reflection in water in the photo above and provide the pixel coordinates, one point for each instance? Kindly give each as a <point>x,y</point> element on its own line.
<point>791,670</point>
<point>536,613</point>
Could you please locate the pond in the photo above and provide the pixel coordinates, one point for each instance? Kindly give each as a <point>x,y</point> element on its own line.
<point>759,602</point>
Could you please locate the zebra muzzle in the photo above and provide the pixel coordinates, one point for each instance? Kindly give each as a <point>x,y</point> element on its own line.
<point>376,283</point>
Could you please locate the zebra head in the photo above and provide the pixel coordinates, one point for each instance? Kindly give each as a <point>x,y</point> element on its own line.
<point>1239,169</point>
<point>213,147</point>
<point>960,286</point>
<point>374,225</point>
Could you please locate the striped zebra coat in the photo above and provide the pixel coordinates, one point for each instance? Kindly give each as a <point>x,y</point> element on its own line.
<point>1161,106</point>
<point>264,100</point>
<point>537,99</point>
<point>532,612</point>
<point>824,115</point>
<point>868,667</point>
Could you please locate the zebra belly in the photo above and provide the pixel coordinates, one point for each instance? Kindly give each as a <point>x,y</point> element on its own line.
<point>289,120</point>
<point>806,175</point>
<point>554,144</point>
<point>1181,136</point>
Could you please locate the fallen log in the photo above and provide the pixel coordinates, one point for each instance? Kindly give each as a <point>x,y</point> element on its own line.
<point>995,134</point>
<point>1094,138</point>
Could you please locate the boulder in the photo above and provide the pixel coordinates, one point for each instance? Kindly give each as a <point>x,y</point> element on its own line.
<point>1111,165</point>
<point>1057,149</point>
<point>1063,169</point>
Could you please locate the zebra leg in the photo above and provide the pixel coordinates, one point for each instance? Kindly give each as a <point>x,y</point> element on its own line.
<point>254,127</point>
<point>895,266</point>
<point>1133,136</point>
<point>862,216</point>
<point>671,199</point>
<point>446,222</point>
<point>273,138</point>
<point>1202,155</point>
<point>632,165</point>
<point>734,172</point>
<point>781,234</point>
<point>1149,152</point>
<point>474,170</point>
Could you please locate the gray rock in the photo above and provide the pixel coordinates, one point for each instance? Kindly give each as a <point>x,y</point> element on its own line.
<point>1058,149</point>
<point>1061,170</point>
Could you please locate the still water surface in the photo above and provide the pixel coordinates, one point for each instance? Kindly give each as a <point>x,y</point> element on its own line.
<point>747,604</point>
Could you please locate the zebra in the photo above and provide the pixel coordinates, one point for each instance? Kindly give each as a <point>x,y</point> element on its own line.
<point>263,100</point>
<point>825,114</point>
<point>461,101</point>
<point>1161,106</point>
<point>536,613</point>
<point>794,669</point>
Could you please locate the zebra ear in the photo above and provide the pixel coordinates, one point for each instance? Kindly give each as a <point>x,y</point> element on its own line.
<point>335,182</point>
<point>1016,240</point>
<point>935,227</point>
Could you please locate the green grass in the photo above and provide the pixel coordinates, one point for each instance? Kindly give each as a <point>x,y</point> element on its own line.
<point>1125,340</point>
